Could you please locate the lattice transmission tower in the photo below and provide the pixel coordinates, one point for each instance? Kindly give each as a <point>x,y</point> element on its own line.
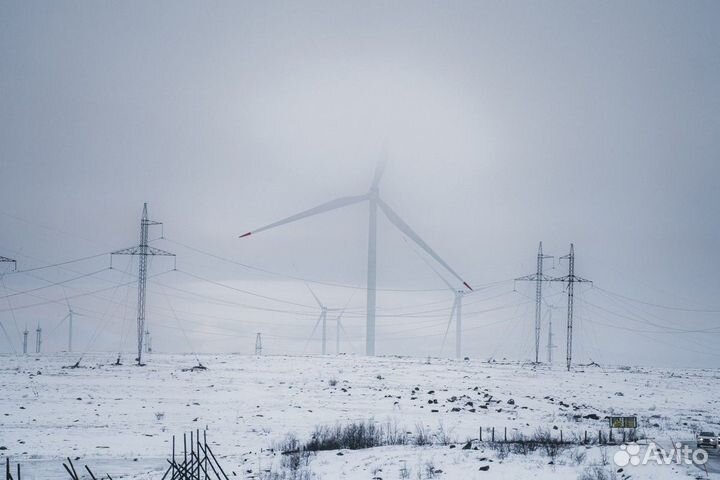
<point>143,251</point>
<point>571,279</point>
<point>538,277</point>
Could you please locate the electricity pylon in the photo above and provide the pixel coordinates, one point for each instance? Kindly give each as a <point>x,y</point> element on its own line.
<point>38,339</point>
<point>571,279</point>
<point>142,251</point>
<point>550,345</point>
<point>25,336</point>
<point>258,344</point>
<point>8,260</point>
<point>538,277</point>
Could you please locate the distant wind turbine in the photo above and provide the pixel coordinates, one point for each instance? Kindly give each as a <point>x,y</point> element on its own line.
<point>69,317</point>
<point>374,201</point>
<point>339,327</point>
<point>322,318</point>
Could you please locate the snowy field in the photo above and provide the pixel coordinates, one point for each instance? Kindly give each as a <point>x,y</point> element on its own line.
<point>120,419</point>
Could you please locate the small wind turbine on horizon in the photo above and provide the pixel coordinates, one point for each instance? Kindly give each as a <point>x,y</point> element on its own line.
<point>374,201</point>
<point>338,328</point>
<point>69,317</point>
<point>322,319</point>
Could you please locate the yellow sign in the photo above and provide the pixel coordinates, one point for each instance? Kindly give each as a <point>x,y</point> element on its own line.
<point>623,422</point>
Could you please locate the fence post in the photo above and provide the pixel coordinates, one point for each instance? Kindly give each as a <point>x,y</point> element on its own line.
<point>506,434</point>
<point>493,434</point>
<point>480,438</point>
<point>600,437</point>
<point>611,439</point>
<point>561,438</point>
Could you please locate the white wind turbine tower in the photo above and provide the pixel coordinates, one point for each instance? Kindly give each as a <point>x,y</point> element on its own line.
<point>374,201</point>
<point>69,317</point>
<point>456,312</point>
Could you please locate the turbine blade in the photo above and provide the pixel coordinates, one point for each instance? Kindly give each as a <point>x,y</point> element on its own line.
<point>379,170</point>
<point>62,321</point>
<point>452,314</point>
<point>347,338</point>
<point>431,266</point>
<point>313,332</point>
<point>325,207</point>
<point>66,300</point>
<point>314,296</point>
<point>449,285</point>
<point>405,228</point>
<point>342,312</point>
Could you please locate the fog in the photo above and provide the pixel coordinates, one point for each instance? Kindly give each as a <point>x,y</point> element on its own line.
<point>502,123</point>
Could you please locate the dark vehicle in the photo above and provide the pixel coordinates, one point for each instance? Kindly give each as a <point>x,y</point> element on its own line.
<point>707,439</point>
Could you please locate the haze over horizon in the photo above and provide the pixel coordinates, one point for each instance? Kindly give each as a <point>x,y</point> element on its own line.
<point>503,124</point>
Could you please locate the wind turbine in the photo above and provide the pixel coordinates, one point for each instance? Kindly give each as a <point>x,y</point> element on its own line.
<point>322,318</point>
<point>69,317</point>
<point>339,327</point>
<point>374,202</point>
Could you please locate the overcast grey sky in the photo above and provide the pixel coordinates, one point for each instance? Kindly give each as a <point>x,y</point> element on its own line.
<point>504,123</point>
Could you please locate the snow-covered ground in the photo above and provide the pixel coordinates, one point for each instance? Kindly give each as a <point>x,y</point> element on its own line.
<point>120,419</point>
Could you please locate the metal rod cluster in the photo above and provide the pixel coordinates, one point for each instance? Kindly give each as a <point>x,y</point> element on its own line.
<point>70,469</point>
<point>197,462</point>
<point>8,470</point>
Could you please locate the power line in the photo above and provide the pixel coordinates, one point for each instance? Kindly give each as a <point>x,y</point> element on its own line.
<point>667,329</point>
<point>247,292</point>
<point>292,277</point>
<point>643,333</point>
<point>666,307</point>
<point>59,264</point>
<point>55,284</point>
<point>310,280</point>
